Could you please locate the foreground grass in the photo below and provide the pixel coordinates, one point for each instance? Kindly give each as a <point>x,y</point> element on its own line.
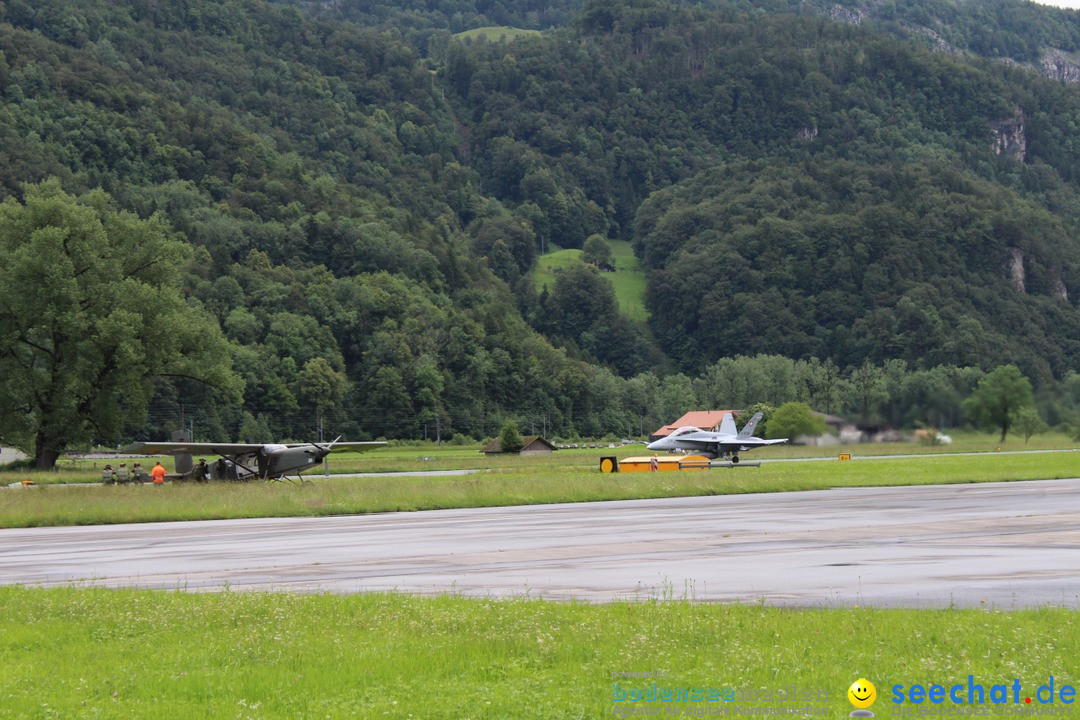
<point>529,481</point>
<point>98,653</point>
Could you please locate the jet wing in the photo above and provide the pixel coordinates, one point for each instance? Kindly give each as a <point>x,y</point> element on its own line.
<point>698,443</point>
<point>750,443</point>
<point>344,446</point>
<point>182,448</point>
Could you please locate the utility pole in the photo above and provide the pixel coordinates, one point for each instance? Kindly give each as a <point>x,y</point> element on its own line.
<point>325,460</point>
<point>187,424</point>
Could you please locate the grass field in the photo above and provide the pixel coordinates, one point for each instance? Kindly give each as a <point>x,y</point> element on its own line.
<point>93,653</point>
<point>628,279</point>
<point>561,477</point>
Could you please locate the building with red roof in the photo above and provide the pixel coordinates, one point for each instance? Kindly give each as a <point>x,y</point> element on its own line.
<point>701,419</point>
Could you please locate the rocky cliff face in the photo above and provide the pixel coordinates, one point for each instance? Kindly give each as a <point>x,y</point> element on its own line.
<point>852,16</point>
<point>1060,291</point>
<point>1016,269</point>
<point>1059,65</point>
<point>935,41</point>
<point>1007,137</point>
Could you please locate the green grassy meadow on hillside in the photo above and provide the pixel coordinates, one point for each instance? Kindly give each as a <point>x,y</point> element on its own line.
<point>497,33</point>
<point>628,280</point>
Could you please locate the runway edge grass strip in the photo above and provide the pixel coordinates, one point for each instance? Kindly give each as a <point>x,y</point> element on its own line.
<point>154,654</point>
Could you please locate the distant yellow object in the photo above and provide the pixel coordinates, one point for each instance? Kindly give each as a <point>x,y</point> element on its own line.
<point>843,456</point>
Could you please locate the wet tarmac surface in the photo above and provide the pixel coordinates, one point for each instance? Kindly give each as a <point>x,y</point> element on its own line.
<point>1002,545</point>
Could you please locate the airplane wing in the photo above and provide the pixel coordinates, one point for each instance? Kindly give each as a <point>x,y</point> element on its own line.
<point>231,449</point>
<point>345,446</point>
<point>182,448</point>
<point>695,443</point>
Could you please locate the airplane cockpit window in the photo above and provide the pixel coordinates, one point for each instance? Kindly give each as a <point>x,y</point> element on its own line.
<point>685,431</point>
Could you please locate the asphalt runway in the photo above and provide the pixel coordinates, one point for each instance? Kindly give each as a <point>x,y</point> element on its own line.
<point>1001,545</point>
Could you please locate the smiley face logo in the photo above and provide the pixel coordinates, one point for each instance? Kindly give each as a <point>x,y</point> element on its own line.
<point>862,693</point>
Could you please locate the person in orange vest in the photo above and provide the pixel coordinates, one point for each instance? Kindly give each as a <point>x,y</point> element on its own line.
<point>158,473</point>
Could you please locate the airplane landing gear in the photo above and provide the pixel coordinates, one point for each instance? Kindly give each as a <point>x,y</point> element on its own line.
<point>734,459</point>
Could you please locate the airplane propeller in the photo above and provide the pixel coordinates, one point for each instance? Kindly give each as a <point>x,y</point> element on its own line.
<point>326,455</point>
<point>322,451</point>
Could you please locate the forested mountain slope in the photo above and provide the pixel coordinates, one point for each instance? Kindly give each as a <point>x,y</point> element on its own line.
<point>366,196</point>
<point>878,176</point>
<point>1039,36</point>
<point>1023,32</point>
<point>844,260</point>
<point>313,165</point>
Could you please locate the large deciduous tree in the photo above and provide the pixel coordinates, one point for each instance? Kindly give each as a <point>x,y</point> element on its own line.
<point>90,318</point>
<point>793,419</point>
<point>999,399</point>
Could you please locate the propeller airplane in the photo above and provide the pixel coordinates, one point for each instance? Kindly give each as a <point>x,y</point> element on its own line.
<point>248,461</point>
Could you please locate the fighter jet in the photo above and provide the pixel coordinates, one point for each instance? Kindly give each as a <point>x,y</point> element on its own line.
<point>249,461</point>
<point>727,442</point>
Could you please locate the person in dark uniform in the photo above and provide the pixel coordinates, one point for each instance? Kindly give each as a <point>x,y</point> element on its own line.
<point>202,471</point>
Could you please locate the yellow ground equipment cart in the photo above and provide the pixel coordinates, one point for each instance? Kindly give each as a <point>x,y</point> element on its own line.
<point>654,463</point>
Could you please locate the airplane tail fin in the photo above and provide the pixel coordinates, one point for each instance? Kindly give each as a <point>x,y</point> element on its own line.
<point>184,464</point>
<point>727,425</point>
<point>748,428</point>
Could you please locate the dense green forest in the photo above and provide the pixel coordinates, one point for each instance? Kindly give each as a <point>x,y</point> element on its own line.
<point>365,196</point>
<point>1020,31</point>
<point>1012,29</point>
<point>796,186</point>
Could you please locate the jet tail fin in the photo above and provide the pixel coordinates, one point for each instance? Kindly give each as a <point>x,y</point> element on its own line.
<point>749,427</point>
<point>727,425</point>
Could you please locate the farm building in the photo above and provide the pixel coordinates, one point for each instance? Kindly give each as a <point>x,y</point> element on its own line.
<point>533,445</point>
